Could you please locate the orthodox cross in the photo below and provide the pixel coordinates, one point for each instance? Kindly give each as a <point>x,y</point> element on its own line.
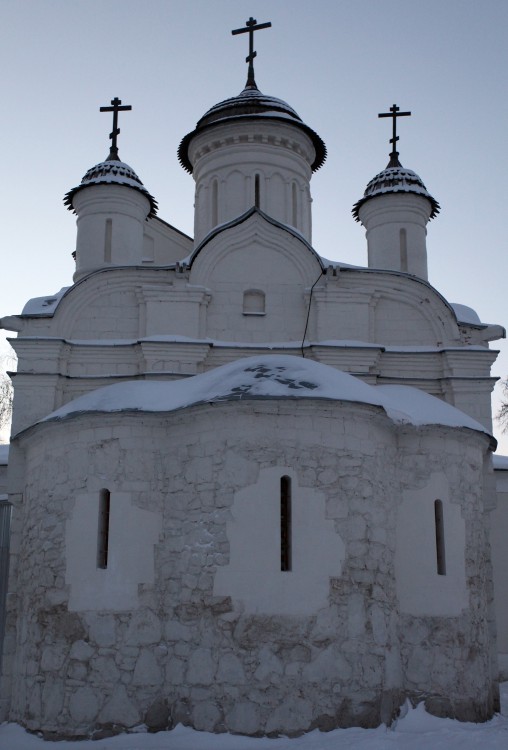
<point>394,113</point>
<point>251,26</point>
<point>115,108</point>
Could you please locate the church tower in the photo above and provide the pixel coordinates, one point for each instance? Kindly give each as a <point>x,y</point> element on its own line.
<point>395,210</point>
<point>112,205</point>
<point>251,150</point>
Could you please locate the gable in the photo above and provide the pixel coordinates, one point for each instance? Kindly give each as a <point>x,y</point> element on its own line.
<point>258,275</point>
<point>255,248</point>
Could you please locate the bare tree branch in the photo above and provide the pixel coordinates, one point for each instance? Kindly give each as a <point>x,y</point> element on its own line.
<point>502,415</point>
<point>5,400</point>
<point>7,361</point>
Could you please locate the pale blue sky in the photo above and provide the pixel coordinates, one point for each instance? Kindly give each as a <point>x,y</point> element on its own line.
<point>337,63</point>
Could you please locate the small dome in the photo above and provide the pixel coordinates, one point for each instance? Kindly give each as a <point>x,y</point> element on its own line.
<point>395,179</point>
<point>253,104</point>
<point>111,172</point>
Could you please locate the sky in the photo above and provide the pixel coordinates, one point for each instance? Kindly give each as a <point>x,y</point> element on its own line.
<point>416,730</point>
<point>337,62</point>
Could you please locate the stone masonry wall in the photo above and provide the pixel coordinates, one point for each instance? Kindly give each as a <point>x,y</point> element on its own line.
<point>178,650</point>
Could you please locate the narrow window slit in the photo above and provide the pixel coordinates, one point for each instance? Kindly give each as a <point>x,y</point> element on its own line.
<point>108,236</point>
<point>403,250</point>
<point>294,202</point>
<point>215,203</point>
<point>256,191</point>
<point>285,523</point>
<point>440,540</point>
<point>103,532</point>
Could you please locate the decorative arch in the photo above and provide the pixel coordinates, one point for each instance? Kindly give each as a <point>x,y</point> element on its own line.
<point>217,258</point>
<point>400,303</point>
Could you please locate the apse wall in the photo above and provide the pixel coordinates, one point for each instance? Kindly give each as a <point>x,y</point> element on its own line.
<point>259,567</point>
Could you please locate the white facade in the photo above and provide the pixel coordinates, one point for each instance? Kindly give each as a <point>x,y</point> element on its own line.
<point>203,597</point>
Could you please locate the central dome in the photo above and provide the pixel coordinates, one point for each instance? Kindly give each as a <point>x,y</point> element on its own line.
<point>252,104</point>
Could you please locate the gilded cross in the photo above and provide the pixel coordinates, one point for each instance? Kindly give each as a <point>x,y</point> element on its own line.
<point>250,27</point>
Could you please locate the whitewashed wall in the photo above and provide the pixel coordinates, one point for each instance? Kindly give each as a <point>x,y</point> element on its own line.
<point>188,635</point>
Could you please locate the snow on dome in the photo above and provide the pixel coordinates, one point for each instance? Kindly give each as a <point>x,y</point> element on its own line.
<point>253,104</point>
<point>111,172</point>
<point>269,377</point>
<point>249,101</point>
<point>395,179</point>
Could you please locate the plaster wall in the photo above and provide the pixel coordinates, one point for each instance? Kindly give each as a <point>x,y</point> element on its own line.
<point>163,245</point>
<point>110,227</point>
<point>421,589</point>
<point>181,640</point>
<point>499,524</point>
<point>384,217</point>
<point>227,159</point>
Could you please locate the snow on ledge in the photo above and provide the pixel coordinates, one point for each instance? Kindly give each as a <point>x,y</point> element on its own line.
<point>269,377</point>
<point>44,305</point>
<point>465,314</point>
<point>500,463</point>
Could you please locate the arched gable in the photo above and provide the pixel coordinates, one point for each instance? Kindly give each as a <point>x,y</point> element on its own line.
<point>255,254</point>
<point>254,248</point>
<point>104,305</point>
<point>402,310</point>
<point>410,315</point>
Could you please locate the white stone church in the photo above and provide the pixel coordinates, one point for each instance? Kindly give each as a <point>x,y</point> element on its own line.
<point>252,489</point>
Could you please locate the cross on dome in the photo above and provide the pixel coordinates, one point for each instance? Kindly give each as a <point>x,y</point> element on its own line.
<point>115,108</point>
<point>250,27</point>
<point>394,113</point>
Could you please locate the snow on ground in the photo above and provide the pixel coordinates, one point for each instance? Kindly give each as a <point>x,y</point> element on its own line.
<point>416,731</point>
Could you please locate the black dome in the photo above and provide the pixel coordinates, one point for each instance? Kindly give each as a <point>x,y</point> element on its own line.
<point>396,179</point>
<point>111,172</point>
<point>253,104</point>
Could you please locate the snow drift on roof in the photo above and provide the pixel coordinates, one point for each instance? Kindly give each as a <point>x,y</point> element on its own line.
<point>267,377</point>
<point>500,462</point>
<point>44,305</point>
<point>465,314</point>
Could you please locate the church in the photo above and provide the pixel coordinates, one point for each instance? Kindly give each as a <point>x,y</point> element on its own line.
<point>250,489</point>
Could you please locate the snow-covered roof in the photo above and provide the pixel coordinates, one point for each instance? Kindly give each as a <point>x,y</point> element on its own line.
<point>4,455</point>
<point>269,377</point>
<point>44,305</point>
<point>395,179</point>
<point>500,462</point>
<point>253,104</point>
<point>466,314</point>
<point>111,172</point>
<point>249,101</point>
